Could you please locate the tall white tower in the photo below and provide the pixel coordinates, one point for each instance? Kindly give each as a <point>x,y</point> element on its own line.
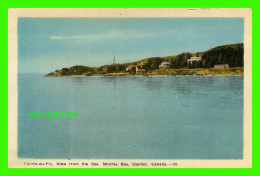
<point>114,61</point>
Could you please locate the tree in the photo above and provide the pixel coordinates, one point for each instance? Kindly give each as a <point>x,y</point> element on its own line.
<point>233,55</point>
<point>174,64</point>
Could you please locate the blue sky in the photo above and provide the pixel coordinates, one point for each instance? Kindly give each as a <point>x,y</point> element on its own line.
<point>47,44</point>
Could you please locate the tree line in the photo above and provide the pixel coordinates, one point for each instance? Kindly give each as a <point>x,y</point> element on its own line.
<point>233,55</point>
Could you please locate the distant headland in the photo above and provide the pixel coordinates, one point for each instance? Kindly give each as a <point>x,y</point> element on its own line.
<point>221,60</point>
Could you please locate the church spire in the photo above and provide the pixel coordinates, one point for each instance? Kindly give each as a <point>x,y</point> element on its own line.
<point>114,61</point>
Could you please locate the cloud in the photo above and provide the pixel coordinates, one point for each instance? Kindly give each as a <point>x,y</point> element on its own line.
<point>125,34</point>
<point>106,36</point>
<point>58,37</point>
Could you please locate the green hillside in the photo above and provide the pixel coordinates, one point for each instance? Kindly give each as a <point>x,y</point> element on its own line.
<point>232,54</point>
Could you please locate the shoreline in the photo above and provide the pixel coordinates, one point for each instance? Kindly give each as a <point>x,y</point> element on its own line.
<point>239,71</point>
<point>144,75</point>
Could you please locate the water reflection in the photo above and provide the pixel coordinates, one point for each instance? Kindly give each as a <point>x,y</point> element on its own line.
<point>198,117</point>
<point>182,84</point>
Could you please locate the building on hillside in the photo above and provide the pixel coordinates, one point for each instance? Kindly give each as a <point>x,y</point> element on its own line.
<point>164,64</point>
<point>128,68</point>
<point>221,66</point>
<point>193,59</point>
<point>139,69</point>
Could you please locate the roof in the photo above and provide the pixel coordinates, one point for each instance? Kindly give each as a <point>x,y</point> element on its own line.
<point>220,64</point>
<point>165,63</point>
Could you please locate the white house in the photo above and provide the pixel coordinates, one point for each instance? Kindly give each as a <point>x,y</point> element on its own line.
<point>139,69</point>
<point>221,66</point>
<point>128,68</point>
<point>164,64</point>
<point>194,59</point>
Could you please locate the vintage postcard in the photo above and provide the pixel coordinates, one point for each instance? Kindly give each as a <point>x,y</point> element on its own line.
<point>130,88</point>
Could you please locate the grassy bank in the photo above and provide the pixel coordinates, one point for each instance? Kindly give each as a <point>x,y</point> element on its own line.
<point>198,71</point>
<point>117,74</point>
<point>167,71</point>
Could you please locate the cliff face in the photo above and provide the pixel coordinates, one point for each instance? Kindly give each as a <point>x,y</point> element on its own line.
<point>233,55</point>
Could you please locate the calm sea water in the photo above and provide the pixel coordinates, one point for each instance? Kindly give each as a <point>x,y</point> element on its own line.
<point>164,117</point>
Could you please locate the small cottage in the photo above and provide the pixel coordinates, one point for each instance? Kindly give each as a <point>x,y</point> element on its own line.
<point>164,64</point>
<point>193,59</point>
<point>128,68</point>
<point>139,69</point>
<point>221,66</point>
